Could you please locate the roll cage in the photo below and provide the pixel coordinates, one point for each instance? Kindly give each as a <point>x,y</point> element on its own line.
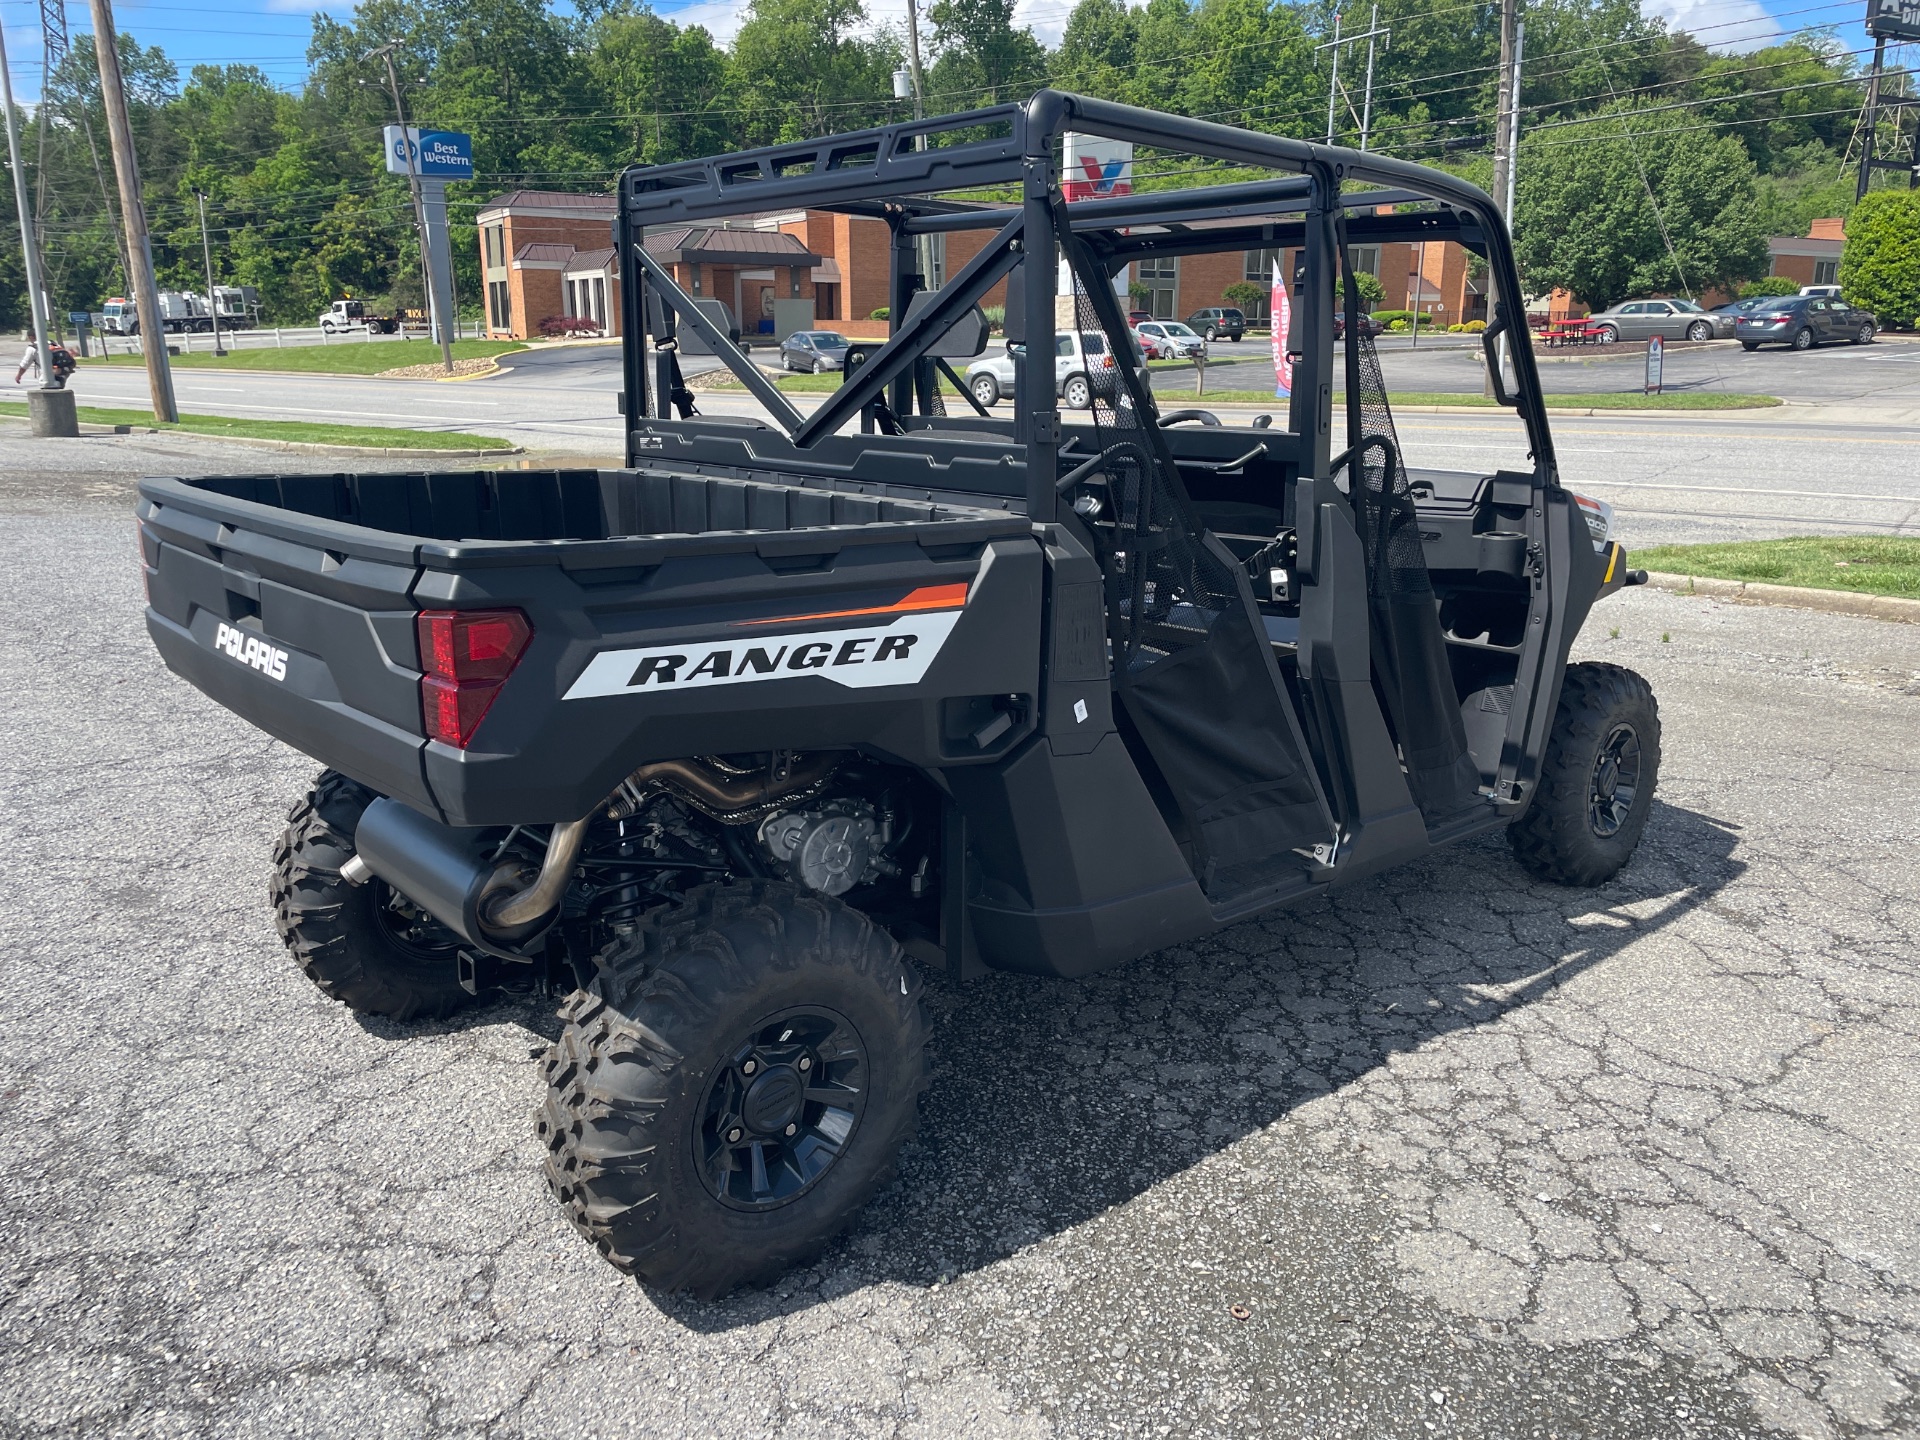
<point>898,174</point>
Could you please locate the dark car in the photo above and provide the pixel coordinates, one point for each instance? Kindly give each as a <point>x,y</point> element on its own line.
<point>1368,325</point>
<point>1804,321</point>
<point>1736,308</point>
<point>814,351</point>
<point>1218,323</point>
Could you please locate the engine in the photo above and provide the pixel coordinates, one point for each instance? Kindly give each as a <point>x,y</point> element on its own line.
<point>831,847</point>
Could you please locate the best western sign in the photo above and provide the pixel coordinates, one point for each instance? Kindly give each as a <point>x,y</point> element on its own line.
<point>430,154</point>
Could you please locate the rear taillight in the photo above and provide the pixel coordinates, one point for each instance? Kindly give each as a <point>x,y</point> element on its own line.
<point>465,657</point>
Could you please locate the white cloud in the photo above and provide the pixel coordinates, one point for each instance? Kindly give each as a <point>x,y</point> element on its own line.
<point>1727,25</point>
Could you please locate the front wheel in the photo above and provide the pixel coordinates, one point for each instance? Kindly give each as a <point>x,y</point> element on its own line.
<point>986,390</point>
<point>1596,783</point>
<point>1077,393</point>
<point>735,1084</point>
<point>1699,330</point>
<point>1865,337</point>
<point>1803,339</point>
<point>818,368</point>
<point>367,946</point>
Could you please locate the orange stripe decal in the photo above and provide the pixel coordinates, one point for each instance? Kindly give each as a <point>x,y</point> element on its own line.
<point>1613,559</point>
<point>927,597</point>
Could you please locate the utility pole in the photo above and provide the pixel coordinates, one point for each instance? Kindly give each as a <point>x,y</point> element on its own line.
<point>1867,166</point>
<point>1513,154</point>
<point>435,301</point>
<point>1333,80</point>
<point>53,42</point>
<point>1366,105</point>
<point>1509,21</point>
<point>29,240</point>
<point>913,64</point>
<point>206,253</point>
<point>133,211</point>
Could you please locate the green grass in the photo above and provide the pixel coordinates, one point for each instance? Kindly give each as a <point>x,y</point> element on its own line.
<point>1871,564</point>
<point>348,357</point>
<point>301,430</point>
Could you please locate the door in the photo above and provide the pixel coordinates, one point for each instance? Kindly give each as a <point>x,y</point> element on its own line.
<point>1665,321</point>
<point>1066,357</point>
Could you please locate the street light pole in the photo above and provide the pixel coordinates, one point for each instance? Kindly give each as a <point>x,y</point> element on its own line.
<point>385,52</point>
<point>28,243</point>
<point>206,253</point>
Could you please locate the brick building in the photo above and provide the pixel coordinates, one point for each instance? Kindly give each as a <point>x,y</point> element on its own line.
<point>1812,259</point>
<point>546,253</point>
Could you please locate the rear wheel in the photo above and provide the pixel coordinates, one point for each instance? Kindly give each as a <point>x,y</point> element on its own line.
<point>1749,345</point>
<point>734,1086</point>
<point>367,946</point>
<point>1699,330</point>
<point>1077,393</point>
<point>1803,339</point>
<point>1606,334</point>
<point>1597,780</point>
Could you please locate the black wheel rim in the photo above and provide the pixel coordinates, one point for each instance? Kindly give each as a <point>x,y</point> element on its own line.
<point>1616,781</point>
<point>781,1109</point>
<point>408,928</point>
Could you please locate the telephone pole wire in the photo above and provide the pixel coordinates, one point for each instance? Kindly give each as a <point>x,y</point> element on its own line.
<point>133,211</point>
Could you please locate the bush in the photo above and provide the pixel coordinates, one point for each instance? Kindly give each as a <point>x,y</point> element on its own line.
<point>1371,291</point>
<point>554,326</point>
<point>1772,285</point>
<point>1474,327</point>
<point>996,318</point>
<point>1246,296</point>
<point>1880,266</point>
<point>1456,329</point>
<point>885,312</point>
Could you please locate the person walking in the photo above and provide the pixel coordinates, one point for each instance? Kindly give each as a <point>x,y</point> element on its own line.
<point>30,360</point>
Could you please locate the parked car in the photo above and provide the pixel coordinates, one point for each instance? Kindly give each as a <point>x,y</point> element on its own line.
<point>1082,368</point>
<point>1134,317</point>
<point>1669,319</point>
<point>1182,343</point>
<point>1368,325</point>
<point>1153,347</point>
<point>1737,308</point>
<point>814,351</point>
<point>1804,321</point>
<point>1222,322</point>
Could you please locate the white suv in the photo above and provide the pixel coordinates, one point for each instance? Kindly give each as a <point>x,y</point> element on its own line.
<point>1082,368</point>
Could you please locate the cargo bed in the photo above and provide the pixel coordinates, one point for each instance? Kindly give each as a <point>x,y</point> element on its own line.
<point>329,572</point>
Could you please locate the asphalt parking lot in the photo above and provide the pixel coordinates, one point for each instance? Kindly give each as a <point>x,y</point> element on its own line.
<point>1476,1156</point>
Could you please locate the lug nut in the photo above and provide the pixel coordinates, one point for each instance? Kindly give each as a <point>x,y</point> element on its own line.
<point>749,1067</point>
<point>806,1063</point>
<point>734,1134</point>
<point>793,1129</point>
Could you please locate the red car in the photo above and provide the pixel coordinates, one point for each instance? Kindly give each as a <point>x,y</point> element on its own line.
<point>1368,324</point>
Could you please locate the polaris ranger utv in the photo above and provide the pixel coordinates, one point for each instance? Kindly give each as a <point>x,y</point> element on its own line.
<point>715,742</point>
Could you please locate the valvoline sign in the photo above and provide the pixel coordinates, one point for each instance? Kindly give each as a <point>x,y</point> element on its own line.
<point>1095,169</point>
<point>438,154</point>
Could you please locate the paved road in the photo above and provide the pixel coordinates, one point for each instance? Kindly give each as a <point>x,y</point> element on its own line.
<point>1480,1157</point>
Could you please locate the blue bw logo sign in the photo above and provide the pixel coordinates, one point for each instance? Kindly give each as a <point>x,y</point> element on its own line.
<point>437,154</point>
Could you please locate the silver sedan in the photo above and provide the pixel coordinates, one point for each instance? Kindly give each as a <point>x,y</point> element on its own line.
<point>1669,319</point>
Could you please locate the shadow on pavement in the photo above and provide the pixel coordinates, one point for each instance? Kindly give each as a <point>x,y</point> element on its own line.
<point>1053,1101</point>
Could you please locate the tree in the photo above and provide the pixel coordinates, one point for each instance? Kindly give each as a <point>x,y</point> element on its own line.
<point>1096,54</point>
<point>1246,296</point>
<point>1583,220</point>
<point>1880,265</point>
<point>983,59</point>
<point>1366,286</point>
<point>802,69</point>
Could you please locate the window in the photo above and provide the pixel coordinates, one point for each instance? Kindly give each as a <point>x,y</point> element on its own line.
<point>1161,276</point>
<point>1366,258</point>
<point>933,255</point>
<point>600,301</point>
<point>826,302</point>
<point>499,305</point>
<point>1826,272</point>
<point>496,245</point>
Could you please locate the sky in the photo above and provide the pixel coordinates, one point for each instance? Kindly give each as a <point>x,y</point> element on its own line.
<point>272,34</point>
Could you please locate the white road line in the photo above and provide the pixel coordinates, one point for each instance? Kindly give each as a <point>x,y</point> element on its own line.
<point>1754,491</point>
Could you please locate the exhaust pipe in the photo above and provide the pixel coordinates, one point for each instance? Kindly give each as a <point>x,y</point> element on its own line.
<point>494,904</point>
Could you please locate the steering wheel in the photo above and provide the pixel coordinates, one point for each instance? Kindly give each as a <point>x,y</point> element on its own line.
<point>1178,417</point>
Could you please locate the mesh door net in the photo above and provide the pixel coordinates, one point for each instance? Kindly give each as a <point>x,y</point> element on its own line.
<point>1409,652</point>
<point>1192,666</point>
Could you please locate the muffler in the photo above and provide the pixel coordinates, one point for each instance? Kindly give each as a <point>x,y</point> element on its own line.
<point>495,903</point>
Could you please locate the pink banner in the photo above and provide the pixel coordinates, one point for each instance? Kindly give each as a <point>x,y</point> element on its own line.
<point>1282,322</point>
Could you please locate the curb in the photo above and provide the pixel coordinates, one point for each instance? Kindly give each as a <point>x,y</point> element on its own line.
<point>493,368</point>
<point>1754,592</point>
<point>298,447</point>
